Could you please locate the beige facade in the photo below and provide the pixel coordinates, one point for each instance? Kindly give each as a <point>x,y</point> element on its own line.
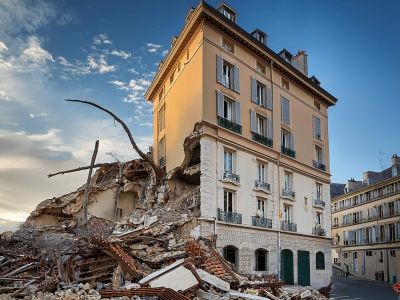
<point>265,182</point>
<point>366,226</point>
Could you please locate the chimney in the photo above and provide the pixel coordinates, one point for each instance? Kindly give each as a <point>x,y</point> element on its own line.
<point>299,61</point>
<point>353,185</point>
<point>395,165</point>
<point>395,159</point>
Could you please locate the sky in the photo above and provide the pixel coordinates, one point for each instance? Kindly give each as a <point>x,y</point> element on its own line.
<point>108,52</point>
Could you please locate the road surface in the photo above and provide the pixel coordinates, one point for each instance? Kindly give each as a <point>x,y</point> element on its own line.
<point>356,289</point>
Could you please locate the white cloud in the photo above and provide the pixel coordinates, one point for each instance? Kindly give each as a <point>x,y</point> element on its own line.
<point>119,84</point>
<point>153,48</point>
<point>165,52</point>
<point>39,115</point>
<point>3,96</point>
<point>3,47</point>
<point>120,53</point>
<point>132,70</point>
<point>101,39</point>
<point>35,53</point>
<point>98,63</point>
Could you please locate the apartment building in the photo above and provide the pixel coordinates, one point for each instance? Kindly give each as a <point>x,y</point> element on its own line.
<point>366,225</point>
<point>264,149</point>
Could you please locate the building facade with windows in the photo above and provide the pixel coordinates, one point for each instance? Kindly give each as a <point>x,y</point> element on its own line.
<point>366,225</point>
<point>264,149</point>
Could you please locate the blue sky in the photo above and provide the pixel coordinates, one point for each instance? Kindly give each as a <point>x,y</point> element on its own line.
<point>108,52</point>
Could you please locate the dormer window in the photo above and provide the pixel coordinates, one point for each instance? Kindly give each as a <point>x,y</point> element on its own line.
<point>227,12</point>
<point>286,55</point>
<point>260,36</point>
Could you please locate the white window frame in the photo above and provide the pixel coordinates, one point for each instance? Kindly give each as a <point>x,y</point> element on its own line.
<point>288,181</point>
<point>262,207</point>
<point>228,109</point>
<point>229,158</point>
<point>229,196</point>
<point>227,74</point>
<point>260,93</point>
<point>319,154</point>
<point>262,171</point>
<point>286,137</point>
<point>319,190</point>
<point>287,213</point>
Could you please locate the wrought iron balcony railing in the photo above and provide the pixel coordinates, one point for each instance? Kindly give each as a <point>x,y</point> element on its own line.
<point>288,193</point>
<point>288,151</point>
<point>229,217</point>
<point>319,165</point>
<point>231,177</point>
<point>318,231</point>
<point>262,185</point>
<point>262,139</point>
<point>319,203</point>
<point>288,226</point>
<point>230,125</point>
<point>261,222</point>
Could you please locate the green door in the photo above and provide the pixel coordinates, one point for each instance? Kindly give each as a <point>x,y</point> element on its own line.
<point>303,267</point>
<point>287,266</point>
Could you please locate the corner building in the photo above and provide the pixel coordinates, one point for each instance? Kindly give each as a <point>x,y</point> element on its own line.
<point>264,151</point>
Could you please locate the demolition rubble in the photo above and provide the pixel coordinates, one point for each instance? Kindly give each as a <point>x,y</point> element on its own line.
<point>154,252</point>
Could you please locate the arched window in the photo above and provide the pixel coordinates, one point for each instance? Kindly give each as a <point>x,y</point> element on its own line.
<point>261,260</point>
<point>231,254</point>
<point>320,261</point>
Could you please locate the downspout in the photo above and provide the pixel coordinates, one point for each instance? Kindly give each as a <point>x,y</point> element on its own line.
<point>279,189</point>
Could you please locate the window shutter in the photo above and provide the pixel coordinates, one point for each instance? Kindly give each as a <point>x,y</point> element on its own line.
<point>220,105</point>
<point>269,128</point>
<point>269,97</point>
<point>236,79</point>
<point>292,141</point>
<point>285,110</point>
<point>237,113</point>
<point>253,90</point>
<point>219,69</point>
<point>253,119</point>
<point>264,97</point>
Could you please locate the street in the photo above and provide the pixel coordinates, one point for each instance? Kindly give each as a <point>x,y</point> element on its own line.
<point>355,289</point>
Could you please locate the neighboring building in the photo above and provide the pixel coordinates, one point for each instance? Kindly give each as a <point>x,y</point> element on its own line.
<point>366,225</point>
<point>264,157</point>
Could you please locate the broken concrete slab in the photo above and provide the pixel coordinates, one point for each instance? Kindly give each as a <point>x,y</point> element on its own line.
<point>213,280</point>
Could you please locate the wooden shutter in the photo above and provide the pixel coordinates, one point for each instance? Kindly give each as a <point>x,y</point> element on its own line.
<point>253,90</point>
<point>269,97</point>
<point>253,121</point>
<point>236,79</point>
<point>219,69</point>
<point>269,128</point>
<point>237,113</point>
<point>285,110</point>
<point>292,141</point>
<point>220,105</point>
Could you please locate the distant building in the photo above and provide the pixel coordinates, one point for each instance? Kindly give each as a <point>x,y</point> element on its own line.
<point>366,224</point>
<point>264,157</point>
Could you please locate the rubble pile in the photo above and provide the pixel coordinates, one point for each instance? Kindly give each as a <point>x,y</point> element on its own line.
<point>155,252</point>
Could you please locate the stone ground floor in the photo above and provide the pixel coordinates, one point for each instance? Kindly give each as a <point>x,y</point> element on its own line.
<point>298,259</point>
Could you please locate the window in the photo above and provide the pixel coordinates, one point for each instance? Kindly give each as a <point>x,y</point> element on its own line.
<point>261,260</point>
<point>161,151</point>
<point>228,113</point>
<point>228,74</point>
<point>391,208</point>
<point>228,161</point>
<point>317,127</point>
<point>393,253</point>
<point>391,232</point>
<point>285,110</point>
<point>287,213</point>
<point>318,188</point>
<point>286,139</point>
<point>260,67</point>
<point>228,109</point>
<point>231,254</point>
<point>228,201</point>
<point>260,96</point>
<point>355,255</point>
<point>227,12</point>
<point>335,221</point>
<point>318,154</point>
<point>285,83</point>
<point>261,207</point>
<point>368,253</point>
<point>161,95</point>
<point>261,125</point>
<point>317,105</point>
<point>161,119</point>
<point>320,261</point>
<point>261,172</point>
<point>318,219</point>
<point>227,45</point>
<point>171,78</point>
<point>187,54</point>
<point>119,212</point>
<point>345,255</point>
<point>288,183</point>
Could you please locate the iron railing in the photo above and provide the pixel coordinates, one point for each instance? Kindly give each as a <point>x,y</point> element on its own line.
<point>319,231</point>
<point>262,185</point>
<point>288,193</point>
<point>288,226</point>
<point>262,139</point>
<point>319,165</point>
<point>261,222</point>
<point>231,176</point>
<point>230,125</point>
<point>288,151</point>
<point>229,217</point>
<point>319,203</point>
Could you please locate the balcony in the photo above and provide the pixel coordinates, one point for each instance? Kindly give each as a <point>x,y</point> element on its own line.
<point>261,222</point>
<point>288,151</point>
<point>229,125</point>
<point>229,217</point>
<point>263,186</point>
<point>230,177</point>
<point>317,230</point>
<point>319,165</point>
<point>261,139</point>
<point>287,226</point>
<point>162,162</point>
<point>319,203</point>
<point>288,194</point>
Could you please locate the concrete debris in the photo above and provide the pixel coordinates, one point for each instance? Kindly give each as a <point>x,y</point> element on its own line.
<point>142,241</point>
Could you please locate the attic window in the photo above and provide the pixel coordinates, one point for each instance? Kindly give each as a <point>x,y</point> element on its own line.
<point>227,12</point>
<point>227,45</point>
<point>317,105</point>
<point>260,36</point>
<point>260,67</point>
<point>285,83</point>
